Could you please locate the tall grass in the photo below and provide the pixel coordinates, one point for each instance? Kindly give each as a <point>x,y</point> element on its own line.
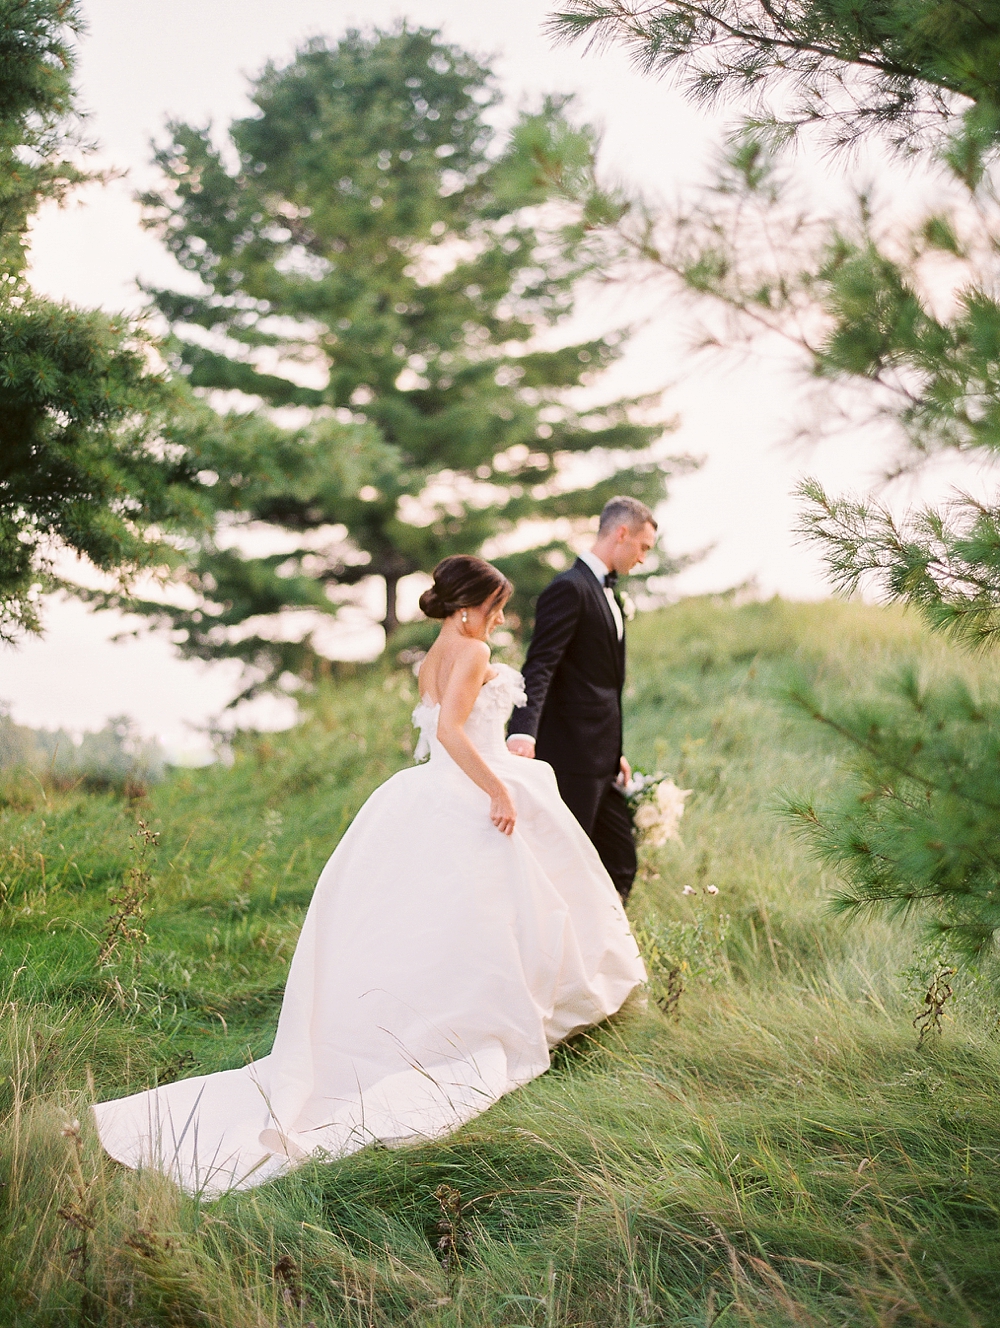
<point>763,1143</point>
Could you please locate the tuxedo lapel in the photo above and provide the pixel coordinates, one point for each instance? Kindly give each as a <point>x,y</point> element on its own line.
<point>604,608</point>
<point>596,591</point>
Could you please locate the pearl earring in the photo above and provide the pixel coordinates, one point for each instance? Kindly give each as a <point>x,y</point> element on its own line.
<point>465,616</point>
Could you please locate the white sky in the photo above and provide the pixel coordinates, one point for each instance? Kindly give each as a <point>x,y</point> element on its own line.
<point>141,63</point>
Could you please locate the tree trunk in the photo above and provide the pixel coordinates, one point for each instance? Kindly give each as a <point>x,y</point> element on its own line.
<point>391,620</point>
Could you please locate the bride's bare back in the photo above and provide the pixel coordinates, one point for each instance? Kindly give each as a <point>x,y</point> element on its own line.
<point>438,664</point>
<point>452,676</point>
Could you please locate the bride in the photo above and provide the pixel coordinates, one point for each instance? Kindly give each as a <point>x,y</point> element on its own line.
<point>463,926</point>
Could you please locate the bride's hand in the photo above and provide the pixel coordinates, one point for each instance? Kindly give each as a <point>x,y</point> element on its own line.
<point>503,813</point>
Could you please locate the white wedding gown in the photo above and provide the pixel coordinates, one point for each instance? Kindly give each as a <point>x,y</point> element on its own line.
<point>438,963</point>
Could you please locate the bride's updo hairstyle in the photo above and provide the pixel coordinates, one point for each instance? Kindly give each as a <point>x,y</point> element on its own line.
<point>463,582</point>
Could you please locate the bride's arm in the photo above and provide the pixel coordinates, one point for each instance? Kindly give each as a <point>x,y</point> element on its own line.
<point>464,682</point>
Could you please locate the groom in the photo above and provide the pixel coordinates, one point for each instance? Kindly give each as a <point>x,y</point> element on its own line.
<point>573,676</point>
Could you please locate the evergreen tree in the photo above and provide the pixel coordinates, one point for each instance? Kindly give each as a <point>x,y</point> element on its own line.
<point>919,817</point>
<point>38,129</point>
<point>915,827</point>
<point>81,461</point>
<point>373,255</point>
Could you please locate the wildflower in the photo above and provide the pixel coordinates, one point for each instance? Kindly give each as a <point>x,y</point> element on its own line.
<point>71,1130</point>
<point>689,890</point>
<point>712,889</point>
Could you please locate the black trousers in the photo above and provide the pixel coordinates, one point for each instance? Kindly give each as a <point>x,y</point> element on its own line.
<point>601,809</point>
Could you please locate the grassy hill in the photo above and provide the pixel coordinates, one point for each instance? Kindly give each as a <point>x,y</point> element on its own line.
<point>762,1144</point>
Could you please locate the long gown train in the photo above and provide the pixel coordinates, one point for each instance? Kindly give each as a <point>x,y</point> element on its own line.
<point>438,963</point>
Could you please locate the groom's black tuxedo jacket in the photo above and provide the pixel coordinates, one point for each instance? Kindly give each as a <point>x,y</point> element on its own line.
<point>573,676</point>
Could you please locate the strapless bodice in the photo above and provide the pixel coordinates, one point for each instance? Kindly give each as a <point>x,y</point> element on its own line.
<point>485,725</point>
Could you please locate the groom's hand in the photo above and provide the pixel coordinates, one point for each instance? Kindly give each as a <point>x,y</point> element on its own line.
<point>624,773</point>
<point>520,746</point>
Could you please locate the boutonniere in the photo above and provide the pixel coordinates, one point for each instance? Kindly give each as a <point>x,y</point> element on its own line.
<point>628,606</point>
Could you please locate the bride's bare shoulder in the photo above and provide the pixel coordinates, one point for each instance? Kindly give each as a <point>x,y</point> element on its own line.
<point>470,655</point>
<point>467,649</point>
<point>480,662</point>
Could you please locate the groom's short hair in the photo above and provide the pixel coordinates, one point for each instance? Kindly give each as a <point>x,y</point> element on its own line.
<point>625,511</point>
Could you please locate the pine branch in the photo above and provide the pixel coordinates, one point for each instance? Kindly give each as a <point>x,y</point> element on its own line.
<point>904,57</point>
<point>946,565</point>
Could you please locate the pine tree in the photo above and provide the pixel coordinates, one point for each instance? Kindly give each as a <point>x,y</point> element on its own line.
<point>38,129</point>
<point>81,462</point>
<point>919,817</point>
<point>915,827</point>
<point>373,256</point>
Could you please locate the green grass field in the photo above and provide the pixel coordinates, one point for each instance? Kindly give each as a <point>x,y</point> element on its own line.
<point>771,1149</point>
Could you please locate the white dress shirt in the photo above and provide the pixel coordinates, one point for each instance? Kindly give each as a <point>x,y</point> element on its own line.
<point>600,571</point>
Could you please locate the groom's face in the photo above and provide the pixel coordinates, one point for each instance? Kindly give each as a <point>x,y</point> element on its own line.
<point>631,547</point>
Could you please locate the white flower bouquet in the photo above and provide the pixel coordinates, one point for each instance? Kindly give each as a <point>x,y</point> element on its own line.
<point>656,805</point>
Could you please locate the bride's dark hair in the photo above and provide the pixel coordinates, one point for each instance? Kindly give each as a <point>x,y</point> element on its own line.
<point>463,582</point>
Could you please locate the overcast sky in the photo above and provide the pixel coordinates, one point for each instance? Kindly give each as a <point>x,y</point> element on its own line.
<point>141,64</point>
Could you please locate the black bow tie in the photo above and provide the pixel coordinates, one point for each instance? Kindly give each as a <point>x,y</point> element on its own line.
<point>610,580</point>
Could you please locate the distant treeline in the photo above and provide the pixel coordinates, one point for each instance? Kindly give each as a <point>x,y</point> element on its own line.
<point>116,757</point>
